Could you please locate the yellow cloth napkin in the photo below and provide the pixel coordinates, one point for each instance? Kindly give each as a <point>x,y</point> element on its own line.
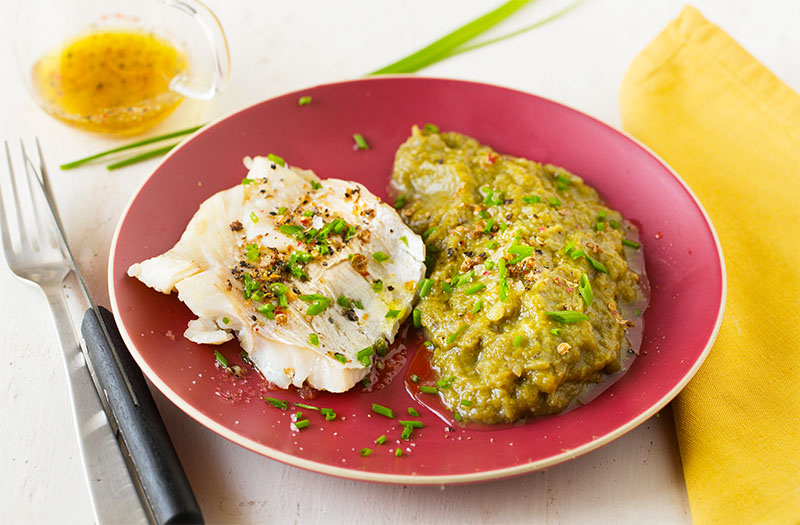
<point>731,129</point>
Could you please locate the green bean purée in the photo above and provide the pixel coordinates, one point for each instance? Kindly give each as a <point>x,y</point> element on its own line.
<point>529,292</point>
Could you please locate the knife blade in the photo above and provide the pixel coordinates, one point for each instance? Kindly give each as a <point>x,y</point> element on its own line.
<point>141,435</point>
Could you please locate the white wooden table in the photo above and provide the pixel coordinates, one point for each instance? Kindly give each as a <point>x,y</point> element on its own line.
<point>278,47</point>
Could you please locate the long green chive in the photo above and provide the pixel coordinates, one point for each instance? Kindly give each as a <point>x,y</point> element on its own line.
<point>404,240</point>
<point>414,378</point>
<point>365,452</point>
<point>555,331</point>
<point>477,306</point>
<point>567,316</point>
<point>392,314</point>
<point>416,317</point>
<point>381,440</point>
<point>425,287</point>
<point>406,434</point>
<point>343,301</point>
<point>313,339</point>
<point>475,288</point>
<point>398,453</point>
<point>340,357</point>
<point>277,403</point>
<point>466,403</point>
<point>380,256</point>
<point>139,158</point>
<point>531,199</point>
<point>517,340</point>
<point>159,138</point>
<point>431,128</point>
<point>363,356</point>
<point>412,412</point>
<point>585,288</point>
<point>301,424</point>
<point>360,142</point>
<point>455,335</point>
<point>503,282</point>
<point>276,159</point>
<point>223,362</point>
<point>307,407</point>
<point>304,100</point>
<point>597,265</point>
<point>632,244</point>
<point>400,201</point>
<point>428,232</point>
<point>382,410</point>
<point>428,389</point>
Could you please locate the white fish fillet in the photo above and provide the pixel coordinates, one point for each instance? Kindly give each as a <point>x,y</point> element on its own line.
<point>206,268</point>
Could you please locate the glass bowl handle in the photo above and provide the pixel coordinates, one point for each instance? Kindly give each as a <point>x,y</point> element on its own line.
<point>212,29</point>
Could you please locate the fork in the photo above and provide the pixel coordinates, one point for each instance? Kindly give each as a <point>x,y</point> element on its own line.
<point>36,255</point>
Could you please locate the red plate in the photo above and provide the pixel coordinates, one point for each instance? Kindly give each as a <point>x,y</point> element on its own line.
<point>682,254</point>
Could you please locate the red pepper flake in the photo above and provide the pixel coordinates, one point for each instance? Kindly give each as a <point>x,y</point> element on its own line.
<point>492,158</point>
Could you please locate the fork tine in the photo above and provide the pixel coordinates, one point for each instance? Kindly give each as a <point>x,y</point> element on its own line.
<point>4,221</point>
<point>48,189</point>
<point>35,230</point>
<point>24,238</point>
<point>43,218</point>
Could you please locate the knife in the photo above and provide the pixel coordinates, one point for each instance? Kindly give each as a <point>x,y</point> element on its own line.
<point>141,435</point>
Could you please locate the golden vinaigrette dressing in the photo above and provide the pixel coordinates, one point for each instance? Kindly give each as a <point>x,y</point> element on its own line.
<point>110,81</point>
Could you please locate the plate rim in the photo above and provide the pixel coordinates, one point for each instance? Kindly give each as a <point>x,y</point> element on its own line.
<point>413,479</point>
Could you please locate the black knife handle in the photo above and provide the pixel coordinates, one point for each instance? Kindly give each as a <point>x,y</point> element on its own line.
<point>144,441</point>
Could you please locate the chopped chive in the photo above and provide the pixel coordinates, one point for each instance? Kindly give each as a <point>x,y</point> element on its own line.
<point>278,288</point>
<point>360,142</point>
<point>276,159</point>
<point>455,335</point>
<point>253,217</point>
<point>555,331</point>
<point>400,201</point>
<point>614,224</point>
<point>392,314</point>
<point>307,407</point>
<point>446,287</point>
<point>267,310</point>
<point>488,265</point>
<point>377,285</point>
<point>484,214</point>
<point>315,185</point>
<point>358,304</point>
<point>600,226</point>
<point>301,424</point>
<point>382,410</point>
<point>412,412</point>
<point>517,340</point>
<point>569,247</point>
<point>318,307</point>
<point>585,288</point>
<point>308,213</point>
<point>431,128</point>
<point>576,254</point>
<point>246,181</point>
<point>277,403</point>
<point>380,347</point>
<point>638,312</point>
<point>601,215</point>
<point>477,306</point>
<point>343,301</point>
<point>311,298</point>
<point>226,320</point>
<point>412,423</point>
<point>252,252</point>
<point>429,345</point>
<point>365,452</point>
<point>428,389</point>
<point>313,339</point>
<point>340,357</point>
<point>398,453</point>
<point>304,100</point>
<point>223,362</point>
<point>364,356</point>
<point>380,256</point>
<point>404,240</point>
<point>329,414</point>
<point>466,403</point>
<point>283,301</point>
<point>492,245</point>
<point>489,226</point>
<point>519,249</point>
<point>416,317</point>
<point>414,378</point>
<point>429,232</point>
<point>597,265</point>
<point>632,244</point>
<point>291,230</point>
<point>475,288</point>
<point>381,440</point>
<point>554,202</point>
<point>531,199</point>
<point>425,287</point>
<point>406,434</point>
<point>457,416</point>
<point>567,316</point>
<point>351,230</point>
